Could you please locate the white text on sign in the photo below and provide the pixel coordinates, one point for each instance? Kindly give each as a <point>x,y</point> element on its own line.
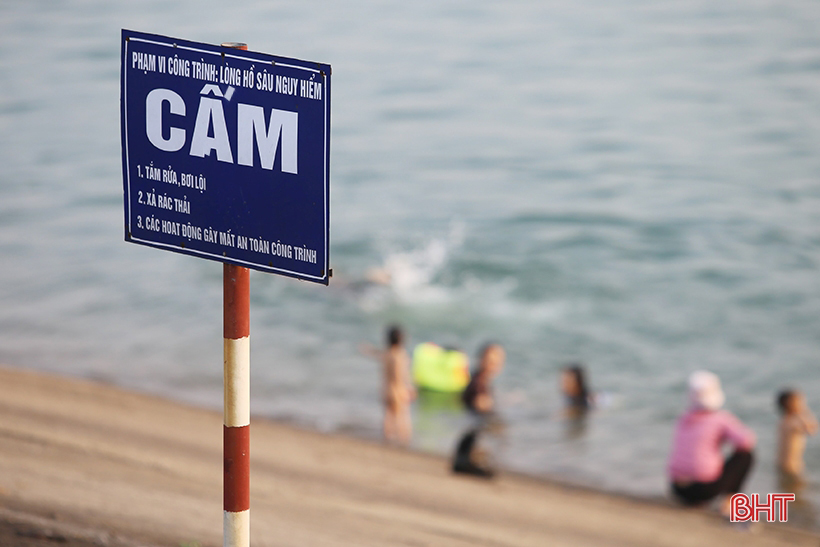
<point>210,133</point>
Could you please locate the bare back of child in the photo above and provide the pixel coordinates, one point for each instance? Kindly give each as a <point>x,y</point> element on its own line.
<point>796,423</point>
<point>397,390</point>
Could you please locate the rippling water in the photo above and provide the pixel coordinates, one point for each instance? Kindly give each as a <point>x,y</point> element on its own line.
<point>633,184</point>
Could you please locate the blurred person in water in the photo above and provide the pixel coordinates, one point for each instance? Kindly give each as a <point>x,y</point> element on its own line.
<point>397,389</point>
<point>697,470</point>
<point>796,423</point>
<point>479,399</point>
<point>478,395</point>
<point>575,388</point>
<point>577,398</point>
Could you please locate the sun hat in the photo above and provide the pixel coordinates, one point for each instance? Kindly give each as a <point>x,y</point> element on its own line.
<point>705,391</point>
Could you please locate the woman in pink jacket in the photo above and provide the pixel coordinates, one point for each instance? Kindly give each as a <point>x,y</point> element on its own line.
<point>697,469</point>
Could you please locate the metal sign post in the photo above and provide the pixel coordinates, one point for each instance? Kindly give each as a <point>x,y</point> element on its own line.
<point>226,156</point>
<point>236,486</point>
<point>236,438</point>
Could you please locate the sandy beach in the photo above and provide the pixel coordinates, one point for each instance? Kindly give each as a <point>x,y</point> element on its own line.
<point>82,463</point>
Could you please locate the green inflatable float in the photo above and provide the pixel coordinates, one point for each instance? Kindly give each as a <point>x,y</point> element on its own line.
<point>440,369</point>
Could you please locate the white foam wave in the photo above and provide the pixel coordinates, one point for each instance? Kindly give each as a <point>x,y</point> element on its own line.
<point>411,275</point>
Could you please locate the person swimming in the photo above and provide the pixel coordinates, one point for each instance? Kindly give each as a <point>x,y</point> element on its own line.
<point>578,399</point>
<point>575,389</point>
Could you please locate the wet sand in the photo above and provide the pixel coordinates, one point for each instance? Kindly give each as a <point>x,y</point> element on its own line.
<point>85,464</point>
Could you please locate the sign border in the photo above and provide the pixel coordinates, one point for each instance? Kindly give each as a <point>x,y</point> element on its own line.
<point>317,68</point>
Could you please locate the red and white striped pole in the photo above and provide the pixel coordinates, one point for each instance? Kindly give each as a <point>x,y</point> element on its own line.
<point>236,522</point>
<point>236,447</point>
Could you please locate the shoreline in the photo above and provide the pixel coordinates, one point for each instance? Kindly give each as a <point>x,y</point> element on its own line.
<point>136,469</point>
<point>547,479</point>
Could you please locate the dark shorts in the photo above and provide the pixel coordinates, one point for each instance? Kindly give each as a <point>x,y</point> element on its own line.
<point>735,470</point>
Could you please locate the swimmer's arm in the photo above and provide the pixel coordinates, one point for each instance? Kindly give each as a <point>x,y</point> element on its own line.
<point>808,422</point>
<point>483,402</point>
<point>370,350</point>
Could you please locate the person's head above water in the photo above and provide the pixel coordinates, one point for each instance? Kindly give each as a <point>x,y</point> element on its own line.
<point>491,359</point>
<point>574,384</point>
<point>705,392</point>
<point>790,401</point>
<point>395,336</point>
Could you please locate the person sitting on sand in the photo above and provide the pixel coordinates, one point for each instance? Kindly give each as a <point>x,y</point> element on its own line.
<point>397,390</point>
<point>697,470</point>
<point>796,423</point>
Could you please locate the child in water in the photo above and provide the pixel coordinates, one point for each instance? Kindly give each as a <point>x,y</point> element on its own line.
<point>796,423</point>
<point>397,391</point>
<point>575,389</point>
